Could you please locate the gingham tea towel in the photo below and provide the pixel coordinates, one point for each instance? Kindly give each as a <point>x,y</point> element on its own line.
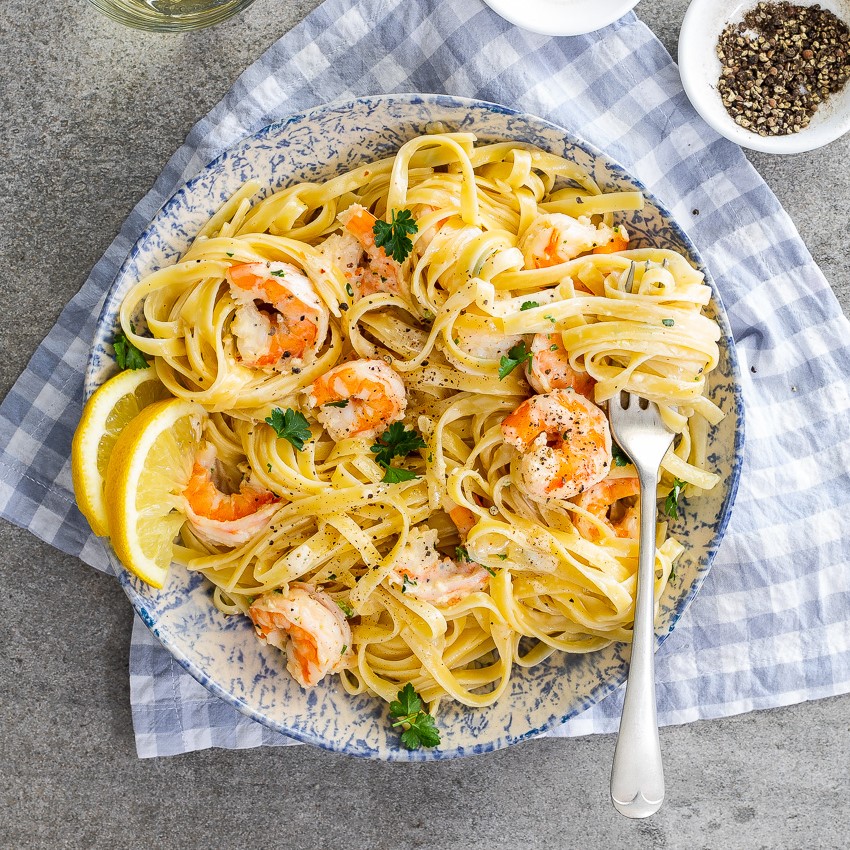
<point>771,625</point>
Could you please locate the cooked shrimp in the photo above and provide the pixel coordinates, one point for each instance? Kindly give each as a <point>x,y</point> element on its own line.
<point>280,320</point>
<point>226,518</point>
<point>358,399</point>
<point>550,368</point>
<point>603,500</point>
<point>556,238</point>
<point>564,444</point>
<point>345,252</point>
<point>375,271</point>
<point>478,337</point>
<point>464,520</point>
<point>619,242</point>
<point>423,574</point>
<point>308,626</point>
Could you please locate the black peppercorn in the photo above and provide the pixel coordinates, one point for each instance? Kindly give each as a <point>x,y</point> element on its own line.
<point>779,64</point>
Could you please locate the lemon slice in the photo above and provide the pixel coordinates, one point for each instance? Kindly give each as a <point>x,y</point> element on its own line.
<point>105,416</point>
<point>149,469</point>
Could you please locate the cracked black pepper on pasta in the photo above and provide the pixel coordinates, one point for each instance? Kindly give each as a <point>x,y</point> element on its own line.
<point>780,63</point>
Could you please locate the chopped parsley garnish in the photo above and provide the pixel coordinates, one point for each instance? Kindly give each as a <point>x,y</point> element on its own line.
<point>489,569</point>
<point>229,254</point>
<point>279,273</point>
<point>672,576</point>
<point>349,291</point>
<point>529,305</point>
<point>290,425</point>
<point>552,319</point>
<point>620,457</point>
<point>407,581</point>
<point>516,356</point>
<point>396,441</point>
<point>553,347</point>
<point>396,475</point>
<point>393,236</point>
<point>461,554</point>
<point>269,467</point>
<point>126,354</point>
<point>502,557</point>
<point>668,323</point>
<point>671,503</point>
<point>341,403</point>
<point>346,608</point>
<point>418,724</point>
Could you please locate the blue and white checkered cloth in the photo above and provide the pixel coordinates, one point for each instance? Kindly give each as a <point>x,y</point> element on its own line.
<point>771,625</point>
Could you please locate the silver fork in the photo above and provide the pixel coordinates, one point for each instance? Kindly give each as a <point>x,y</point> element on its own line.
<point>637,776</point>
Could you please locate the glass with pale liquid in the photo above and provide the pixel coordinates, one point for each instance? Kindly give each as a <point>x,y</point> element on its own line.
<point>170,15</point>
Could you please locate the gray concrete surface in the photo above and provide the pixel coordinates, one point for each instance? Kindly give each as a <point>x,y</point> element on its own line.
<point>91,113</point>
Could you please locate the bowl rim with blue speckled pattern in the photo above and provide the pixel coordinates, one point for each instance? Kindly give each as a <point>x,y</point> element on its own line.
<point>101,363</point>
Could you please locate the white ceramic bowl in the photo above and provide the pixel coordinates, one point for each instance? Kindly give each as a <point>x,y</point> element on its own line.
<point>561,17</point>
<point>700,70</point>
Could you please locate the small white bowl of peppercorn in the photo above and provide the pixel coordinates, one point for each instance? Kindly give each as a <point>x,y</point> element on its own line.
<point>771,76</point>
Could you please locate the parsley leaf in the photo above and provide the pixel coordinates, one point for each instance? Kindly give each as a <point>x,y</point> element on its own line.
<point>393,236</point>
<point>341,403</point>
<point>461,554</point>
<point>672,573</point>
<point>127,355</point>
<point>671,503</point>
<point>528,305</point>
<point>408,702</point>
<point>396,441</point>
<point>419,729</point>
<point>668,323</point>
<point>620,458</point>
<point>279,273</point>
<point>346,608</point>
<point>489,569</point>
<point>515,356</point>
<point>410,739</point>
<point>290,425</point>
<point>426,729</point>
<point>395,475</point>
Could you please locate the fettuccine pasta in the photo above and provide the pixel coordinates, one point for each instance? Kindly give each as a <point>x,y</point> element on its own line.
<point>405,472</point>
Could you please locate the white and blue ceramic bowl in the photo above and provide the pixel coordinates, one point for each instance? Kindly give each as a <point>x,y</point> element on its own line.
<point>222,653</point>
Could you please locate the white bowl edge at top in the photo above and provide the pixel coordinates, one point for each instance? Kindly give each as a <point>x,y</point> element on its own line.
<point>561,17</point>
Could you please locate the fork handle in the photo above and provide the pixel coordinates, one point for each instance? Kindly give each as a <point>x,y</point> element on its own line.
<point>637,777</point>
